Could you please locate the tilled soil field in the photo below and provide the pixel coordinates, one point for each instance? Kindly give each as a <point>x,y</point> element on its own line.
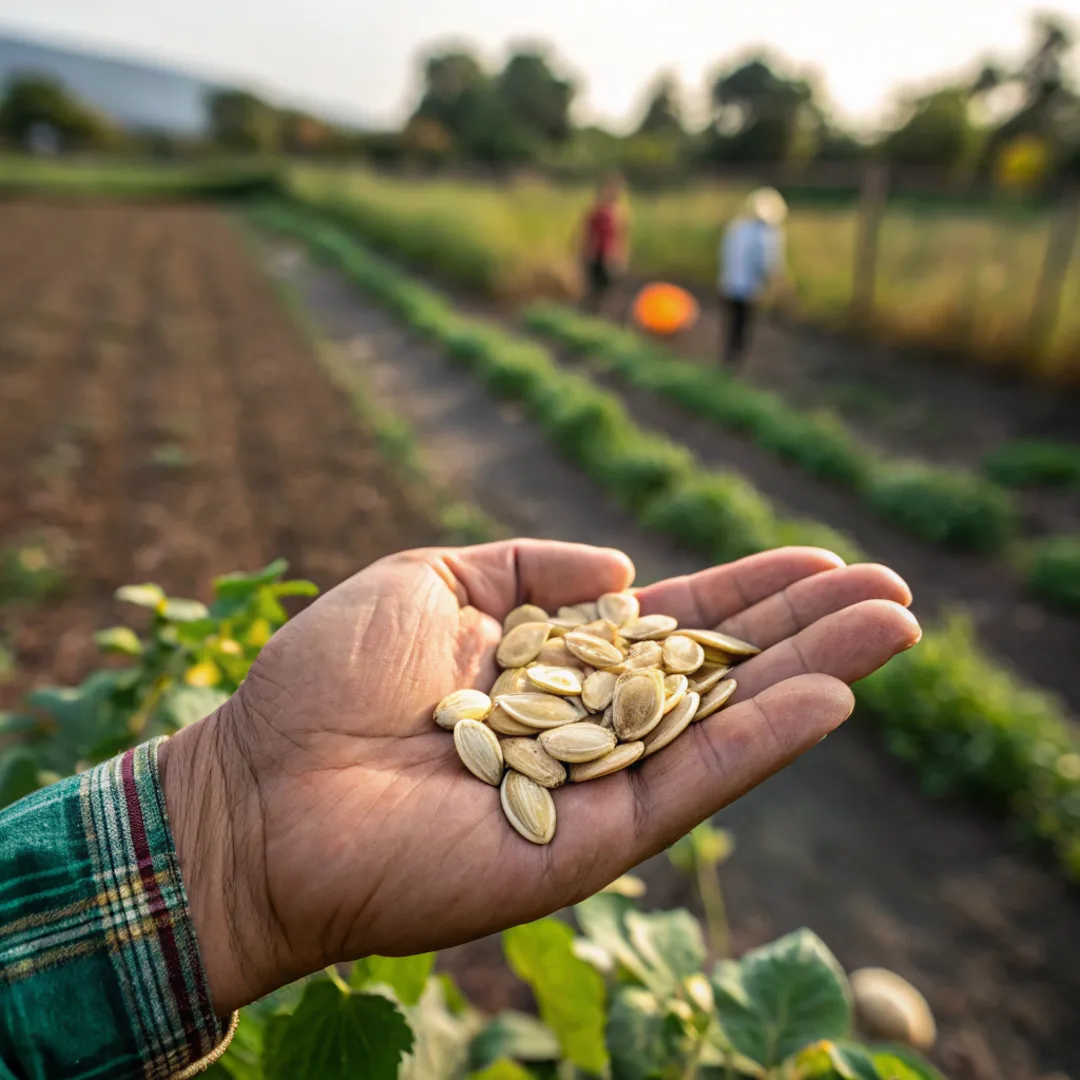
<point>164,420</point>
<point>842,841</point>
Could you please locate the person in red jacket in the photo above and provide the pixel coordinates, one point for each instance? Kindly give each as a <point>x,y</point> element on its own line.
<point>604,236</point>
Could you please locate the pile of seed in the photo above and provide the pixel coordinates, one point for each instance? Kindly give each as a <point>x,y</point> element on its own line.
<point>593,688</point>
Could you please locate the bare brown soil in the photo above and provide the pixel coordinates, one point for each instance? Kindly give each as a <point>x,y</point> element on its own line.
<point>164,420</point>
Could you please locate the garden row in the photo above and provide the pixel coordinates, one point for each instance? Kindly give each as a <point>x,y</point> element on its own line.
<point>946,507</point>
<point>946,708</point>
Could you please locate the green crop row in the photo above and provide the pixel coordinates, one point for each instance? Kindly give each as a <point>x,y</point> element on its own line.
<point>1034,463</point>
<point>944,506</point>
<point>951,711</point>
<point>1052,569</point>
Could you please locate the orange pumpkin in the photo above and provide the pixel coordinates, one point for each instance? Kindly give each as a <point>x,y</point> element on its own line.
<point>664,309</point>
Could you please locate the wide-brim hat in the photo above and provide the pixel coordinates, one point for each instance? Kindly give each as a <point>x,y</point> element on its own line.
<point>767,205</point>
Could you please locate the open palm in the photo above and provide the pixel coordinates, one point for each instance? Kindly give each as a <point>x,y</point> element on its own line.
<point>358,830</point>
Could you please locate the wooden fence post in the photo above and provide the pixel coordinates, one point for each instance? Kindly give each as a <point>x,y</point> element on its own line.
<point>872,199</point>
<point>1059,252</point>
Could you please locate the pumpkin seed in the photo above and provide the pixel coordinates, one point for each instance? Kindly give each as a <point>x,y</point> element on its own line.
<point>618,607</point>
<point>707,676</point>
<point>639,703</point>
<point>649,628</point>
<point>501,721</point>
<point>598,690</point>
<point>540,711</point>
<point>522,645</point>
<point>624,754</point>
<point>675,688</point>
<point>715,698</point>
<point>673,724</point>
<point>682,655</point>
<point>578,742</point>
<point>721,642</point>
<point>529,758</point>
<point>555,680</point>
<point>462,705</point>
<point>510,681</point>
<point>523,614</point>
<point>528,807</point>
<point>593,650</point>
<point>478,747</point>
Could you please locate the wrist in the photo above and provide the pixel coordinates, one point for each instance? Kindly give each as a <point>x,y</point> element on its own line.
<point>212,798</point>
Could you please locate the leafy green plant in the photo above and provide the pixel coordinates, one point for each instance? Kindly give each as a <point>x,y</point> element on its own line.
<point>1034,463</point>
<point>1052,570</point>
<point>34,566</point>
<point>189,661</point>
<point>944,506</point>
<point>948,714</point>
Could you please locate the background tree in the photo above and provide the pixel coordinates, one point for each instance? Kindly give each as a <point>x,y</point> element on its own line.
<point>663,115</point>
<point>538,100</point>
<point>761,115</point>
<point>34,104</point>
<point>239,120</point>
<point>937,131</point>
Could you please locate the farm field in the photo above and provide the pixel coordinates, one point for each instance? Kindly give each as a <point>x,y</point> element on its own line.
<point>827,869</point>
<point>167,420</point>
<point>945,279</point>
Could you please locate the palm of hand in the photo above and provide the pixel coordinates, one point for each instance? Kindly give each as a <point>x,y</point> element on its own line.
<point>376,839</point>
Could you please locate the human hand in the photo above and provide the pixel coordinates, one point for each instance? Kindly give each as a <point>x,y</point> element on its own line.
<point>320,815</point>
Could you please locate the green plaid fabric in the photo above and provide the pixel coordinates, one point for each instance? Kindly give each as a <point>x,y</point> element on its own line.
<point>100,973</point>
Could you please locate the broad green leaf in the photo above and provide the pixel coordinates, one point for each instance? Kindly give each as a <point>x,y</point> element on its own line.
<point>148,595</point>
<point>502,1070</point>
<point>780,998</point>
<point>337,1036</point>
<point>903,1063</point>
<point>669,942</point>
<point>569,993</point>
<point>602,919</point>
<point>18,723</point>
<point>184,705</point>
<point>239,585</point>
<point>296,587</point>
<point>119,639</point>
<point>405,975</point>
<point>176,609</point>
<point>516,1036</point>
<point>642,1039</point>
<point>85,715</point>
<point>844,1061</point>
<point>456,1001</point>
<point>18,774</point>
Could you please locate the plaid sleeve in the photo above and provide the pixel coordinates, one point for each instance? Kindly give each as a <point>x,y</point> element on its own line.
<point>100,974</point>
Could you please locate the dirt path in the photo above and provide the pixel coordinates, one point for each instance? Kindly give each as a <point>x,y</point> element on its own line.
<point>842,841</point>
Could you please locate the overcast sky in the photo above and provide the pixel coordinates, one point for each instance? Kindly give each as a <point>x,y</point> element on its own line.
<point>358,54</point>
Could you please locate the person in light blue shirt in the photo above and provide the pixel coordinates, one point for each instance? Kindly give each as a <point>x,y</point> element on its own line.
<point>751,255</point>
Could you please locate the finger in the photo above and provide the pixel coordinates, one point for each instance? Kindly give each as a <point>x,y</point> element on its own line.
<point>801,604</point>
<point>497,577</point>
<point>609,825</point>
<point>847,645</point>
<point>704,599</point>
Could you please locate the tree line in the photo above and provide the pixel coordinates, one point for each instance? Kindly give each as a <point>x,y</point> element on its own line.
<point>1016,121</point>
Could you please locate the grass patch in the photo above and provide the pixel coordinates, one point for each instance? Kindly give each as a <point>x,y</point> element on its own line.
<point>1034,463</point>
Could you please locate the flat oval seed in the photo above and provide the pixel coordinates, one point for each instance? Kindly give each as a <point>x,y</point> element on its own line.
<point>573,612</point>
<point>510,681</point>
<point>715,698</point>
<point>638,703</point>
<point>540,711</point>
<point>624,754</point>
<point>478,747</point>
<point>598,690</point>
<point>707,676</point>
<point>578,742</point>
<point>556,654</point>
<point>501,721</point>
<point>530,759</point>
<point>523,614</point>
<point>608,719</point>
<point>682,655</point>
<point>461,705</point>
<point>641,655</point>
<point>603,628</point>
<point>555,680</point>
<point>594,651</point>
<point>618,607</point>
<point>673,724</point>
<point>675,688</point>
<point>528,807</point>
<point>649,628</point>
<point>714,639</point>
<point>522,644</point>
